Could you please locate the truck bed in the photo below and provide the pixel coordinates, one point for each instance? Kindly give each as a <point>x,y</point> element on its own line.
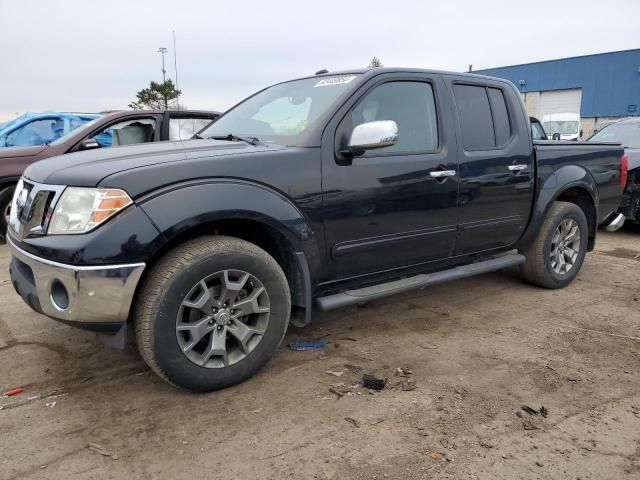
<point>600,160</point>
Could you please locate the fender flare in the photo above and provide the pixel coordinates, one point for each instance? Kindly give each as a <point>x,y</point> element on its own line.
<point>561,180</point>
<point>178,208</point>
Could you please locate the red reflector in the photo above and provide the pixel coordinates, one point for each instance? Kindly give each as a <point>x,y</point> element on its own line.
<point>624,166</point>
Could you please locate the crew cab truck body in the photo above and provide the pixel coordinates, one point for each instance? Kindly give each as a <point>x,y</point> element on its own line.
<point>319,192</point>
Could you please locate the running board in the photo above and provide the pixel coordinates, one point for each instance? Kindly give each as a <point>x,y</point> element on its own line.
<point>363,295</point>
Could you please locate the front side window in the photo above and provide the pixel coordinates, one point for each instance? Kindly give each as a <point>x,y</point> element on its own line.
<point>411,105</point>
<point>282,113</point>
<point>37,132</point>
<point>186,128</point>
<point>626,133</point>
<point>130,132</point>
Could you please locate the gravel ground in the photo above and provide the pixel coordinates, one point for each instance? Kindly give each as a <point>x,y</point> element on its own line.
<point>478,351</point>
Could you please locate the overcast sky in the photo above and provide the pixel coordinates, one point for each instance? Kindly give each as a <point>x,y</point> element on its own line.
<point>87,55</point>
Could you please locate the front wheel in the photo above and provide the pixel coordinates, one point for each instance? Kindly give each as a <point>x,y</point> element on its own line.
<point>211,313</point>
<point>555,257</point>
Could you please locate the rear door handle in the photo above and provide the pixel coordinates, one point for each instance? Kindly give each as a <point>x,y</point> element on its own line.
<point>442,173</point>
<point>519,167</point>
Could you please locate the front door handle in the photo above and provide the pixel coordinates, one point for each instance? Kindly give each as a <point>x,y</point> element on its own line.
<point>442,173</point>
<point>518,167</point>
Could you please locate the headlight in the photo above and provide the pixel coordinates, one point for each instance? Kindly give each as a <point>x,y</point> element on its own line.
<point>80,210</point>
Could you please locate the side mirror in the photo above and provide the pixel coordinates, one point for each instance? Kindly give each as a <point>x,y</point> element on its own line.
<point>556,136</point>
<point>89,144</point>
<point>370,135</point>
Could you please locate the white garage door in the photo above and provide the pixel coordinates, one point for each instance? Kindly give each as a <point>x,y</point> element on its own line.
<point>559,101</point>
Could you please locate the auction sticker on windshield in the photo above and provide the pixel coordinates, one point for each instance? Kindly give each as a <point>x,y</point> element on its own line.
<point>327,82</point>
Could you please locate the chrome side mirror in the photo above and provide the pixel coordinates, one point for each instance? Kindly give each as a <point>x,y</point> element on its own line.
<point>370,135</point>
<point>89,144</point>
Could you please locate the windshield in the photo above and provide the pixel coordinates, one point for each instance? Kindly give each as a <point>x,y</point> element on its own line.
<point>565,128</point>
<point>626,133</point>
<point>85,127</point>
<point>282,113</point>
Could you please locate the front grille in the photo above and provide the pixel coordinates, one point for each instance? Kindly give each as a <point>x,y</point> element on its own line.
<point>34,214</point>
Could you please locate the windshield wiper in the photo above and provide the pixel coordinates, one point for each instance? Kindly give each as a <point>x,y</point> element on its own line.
<point>231,137</point>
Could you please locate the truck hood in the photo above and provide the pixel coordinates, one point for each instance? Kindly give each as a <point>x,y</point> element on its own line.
<point>87,169</point>
<point>13,152</point>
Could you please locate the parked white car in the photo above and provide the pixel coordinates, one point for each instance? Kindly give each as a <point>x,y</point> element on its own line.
<point>566,125</point>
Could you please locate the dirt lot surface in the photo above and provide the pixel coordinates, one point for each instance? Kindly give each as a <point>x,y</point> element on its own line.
<point>478,350</point>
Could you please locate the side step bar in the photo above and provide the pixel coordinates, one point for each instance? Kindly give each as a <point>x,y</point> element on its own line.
<point>363,295</point>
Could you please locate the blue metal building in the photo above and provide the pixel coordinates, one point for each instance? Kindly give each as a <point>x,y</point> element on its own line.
<point>599,87</point>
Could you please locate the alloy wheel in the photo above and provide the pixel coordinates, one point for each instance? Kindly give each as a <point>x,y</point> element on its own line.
<point>223,318</point>
<point>565,246</point>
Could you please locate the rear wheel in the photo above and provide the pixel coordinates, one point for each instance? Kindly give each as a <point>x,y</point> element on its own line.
<point>555,257</point>
<point>6,196</point>
<point>211,313</point>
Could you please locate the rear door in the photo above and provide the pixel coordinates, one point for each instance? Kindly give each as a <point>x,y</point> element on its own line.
<point>496,164</point>
<point>391,207</point>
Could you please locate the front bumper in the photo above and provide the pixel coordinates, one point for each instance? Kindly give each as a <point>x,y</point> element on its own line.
<point>84,296</point>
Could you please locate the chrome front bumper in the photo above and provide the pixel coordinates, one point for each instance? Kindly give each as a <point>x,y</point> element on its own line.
<point>77,294</point>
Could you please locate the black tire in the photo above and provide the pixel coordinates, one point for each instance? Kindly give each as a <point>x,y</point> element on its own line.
<point>164,290</point>
<point>6,196</point>
<point>538,268</point>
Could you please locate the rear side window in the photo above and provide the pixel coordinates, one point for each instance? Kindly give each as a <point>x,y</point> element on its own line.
<point>475,117</point>
<point>484,116</point>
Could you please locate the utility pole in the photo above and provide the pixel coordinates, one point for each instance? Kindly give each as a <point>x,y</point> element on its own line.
<point>162,51</point>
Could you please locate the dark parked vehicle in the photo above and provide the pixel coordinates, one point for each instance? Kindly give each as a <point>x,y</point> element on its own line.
<point>626,132</point>
<point>331,190</point>
<point>537,130</point>
<point>114,129</point>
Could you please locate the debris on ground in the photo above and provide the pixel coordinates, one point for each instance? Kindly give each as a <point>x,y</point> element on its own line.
<point>519,414</point>
<point>372,382</point>
<point>427,346</point>
<point>529,410</point>
<point>99,449</point>
<point>408,385</point>
<point>377,421</point>
<point>353,421</point>
<point>13,391</point>
<point>335,374</point>
<point>434,454</point>
<point>460,390</point>
<point>50,404</point>
<point>341,389</point>
<point>543,411</point>
<point>485,444</point>
<point>352,368</point>
<point>403,372</point>
<point>307,345</point>
<point>528,425</point>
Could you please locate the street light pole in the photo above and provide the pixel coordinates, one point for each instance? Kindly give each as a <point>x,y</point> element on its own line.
<point>162,51</point>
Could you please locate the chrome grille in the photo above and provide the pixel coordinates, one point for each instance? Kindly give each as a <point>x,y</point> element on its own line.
<point>33,204</point>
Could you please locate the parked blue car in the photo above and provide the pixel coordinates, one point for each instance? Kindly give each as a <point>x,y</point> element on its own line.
<point>41,128</point>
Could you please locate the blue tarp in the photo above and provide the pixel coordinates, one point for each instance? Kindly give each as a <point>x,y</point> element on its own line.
<point>41,128</point>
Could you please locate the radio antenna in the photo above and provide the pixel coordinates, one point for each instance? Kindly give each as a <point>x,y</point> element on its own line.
<point>175,65</point>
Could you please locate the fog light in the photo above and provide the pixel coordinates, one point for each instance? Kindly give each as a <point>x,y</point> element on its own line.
<point>59,295</point>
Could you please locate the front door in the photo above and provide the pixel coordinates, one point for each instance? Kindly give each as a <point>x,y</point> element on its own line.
<point>496,166</point>
<point>391,207</point>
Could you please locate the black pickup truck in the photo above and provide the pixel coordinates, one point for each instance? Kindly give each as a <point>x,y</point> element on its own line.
<point>326,191</point>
